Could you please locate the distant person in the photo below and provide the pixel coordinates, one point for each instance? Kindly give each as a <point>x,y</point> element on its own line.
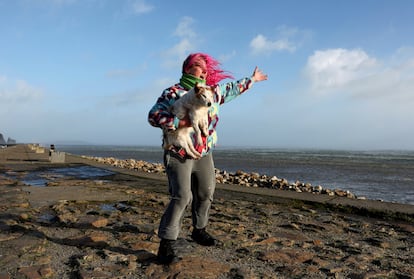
<point>193,181</point>
<point>52,149</point>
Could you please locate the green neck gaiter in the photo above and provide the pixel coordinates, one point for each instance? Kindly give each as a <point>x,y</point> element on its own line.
<point>188,81</point>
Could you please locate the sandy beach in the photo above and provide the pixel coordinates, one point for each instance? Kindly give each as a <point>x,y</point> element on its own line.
<point>105,226</point>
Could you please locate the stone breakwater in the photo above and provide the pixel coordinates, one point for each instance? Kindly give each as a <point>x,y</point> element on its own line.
<point>239,177</point>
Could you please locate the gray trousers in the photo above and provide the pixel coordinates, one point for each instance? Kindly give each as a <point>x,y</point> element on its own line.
<point>189,181</point>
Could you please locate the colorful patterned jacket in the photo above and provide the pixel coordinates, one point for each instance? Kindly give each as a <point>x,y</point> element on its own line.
<point>160,116</point>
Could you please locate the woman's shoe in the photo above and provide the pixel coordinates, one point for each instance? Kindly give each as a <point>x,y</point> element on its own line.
<point>203,238</point>
<point>166,252</point>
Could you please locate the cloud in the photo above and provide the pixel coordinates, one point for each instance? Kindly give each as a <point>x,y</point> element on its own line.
<point>357,74</point>
<point>227,56</point>
<point>184,28</point>
<point>18,92</point>
<point>261,44</point>
<point>140,7</point>
<point>334,68</point>
<point>188,41</point>
<point>287,39</point>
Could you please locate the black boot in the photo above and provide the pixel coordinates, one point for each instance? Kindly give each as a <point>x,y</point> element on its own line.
<point>166,252</point>
<point>203,238</point>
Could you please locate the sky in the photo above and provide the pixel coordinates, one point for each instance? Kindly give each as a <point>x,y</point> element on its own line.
<point>340,73</point>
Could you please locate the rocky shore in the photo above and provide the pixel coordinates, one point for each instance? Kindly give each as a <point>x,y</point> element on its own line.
<point>105,226</point>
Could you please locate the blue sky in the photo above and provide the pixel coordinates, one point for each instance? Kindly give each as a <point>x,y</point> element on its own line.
<point>341,73</point>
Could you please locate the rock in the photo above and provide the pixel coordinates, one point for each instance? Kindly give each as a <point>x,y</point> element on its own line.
<point>190,267</point>
<point>67,218</point>
<point>36,272</point>
<point>94,239</point>
<point>24,216</point>
<point>102,222</point>
<point>287,256</point>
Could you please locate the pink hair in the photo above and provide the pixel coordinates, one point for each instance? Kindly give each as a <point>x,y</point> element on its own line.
<point>214,73</point>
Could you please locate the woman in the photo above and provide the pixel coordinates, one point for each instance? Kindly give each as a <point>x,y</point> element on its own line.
<point>193,180</point>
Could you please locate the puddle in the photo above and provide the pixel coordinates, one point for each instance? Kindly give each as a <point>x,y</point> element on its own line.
<point>35,182</point>
<point>108,207</point>
<point>41,178</point>
<point>82,172</point>
<point>47,218</point>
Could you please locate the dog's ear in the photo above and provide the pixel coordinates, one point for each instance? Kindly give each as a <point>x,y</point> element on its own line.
<point>197,88</point>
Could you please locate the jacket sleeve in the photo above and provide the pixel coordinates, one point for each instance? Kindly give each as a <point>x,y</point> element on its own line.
<point>229,91</point>
<point>160,116</point>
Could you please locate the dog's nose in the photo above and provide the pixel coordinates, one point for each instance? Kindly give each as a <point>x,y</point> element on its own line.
<point>209,104</point>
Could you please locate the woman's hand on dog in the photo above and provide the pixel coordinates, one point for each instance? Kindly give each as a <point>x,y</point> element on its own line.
<point>258,75</point>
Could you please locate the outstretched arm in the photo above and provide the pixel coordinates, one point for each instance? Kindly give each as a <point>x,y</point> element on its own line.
<point>229,91</point>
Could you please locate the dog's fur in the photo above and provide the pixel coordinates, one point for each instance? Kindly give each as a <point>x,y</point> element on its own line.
<point>195,103</point>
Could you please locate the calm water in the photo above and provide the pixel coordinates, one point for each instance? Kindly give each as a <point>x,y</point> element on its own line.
<point>378,175</point>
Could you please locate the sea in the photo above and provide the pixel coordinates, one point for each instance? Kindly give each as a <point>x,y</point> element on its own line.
<point>376,175</point>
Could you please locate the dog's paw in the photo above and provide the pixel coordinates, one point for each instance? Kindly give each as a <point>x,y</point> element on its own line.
<point>197,157</point>
<point>194,154</point>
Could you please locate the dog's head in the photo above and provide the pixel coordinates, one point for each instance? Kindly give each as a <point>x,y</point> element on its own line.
<point>204,93</point>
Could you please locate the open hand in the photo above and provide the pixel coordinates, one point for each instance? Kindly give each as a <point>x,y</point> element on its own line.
<point>258,75</point>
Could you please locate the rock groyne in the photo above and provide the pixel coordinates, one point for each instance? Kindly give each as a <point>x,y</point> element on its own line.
<point>239,177</point>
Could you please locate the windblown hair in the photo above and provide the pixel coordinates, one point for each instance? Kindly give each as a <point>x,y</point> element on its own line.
<point>214,73</point>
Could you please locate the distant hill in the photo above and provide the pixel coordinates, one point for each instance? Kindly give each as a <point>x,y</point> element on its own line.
<point>11,141</point>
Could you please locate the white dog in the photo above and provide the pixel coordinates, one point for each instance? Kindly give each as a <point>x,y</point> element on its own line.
<point>195,103</point>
